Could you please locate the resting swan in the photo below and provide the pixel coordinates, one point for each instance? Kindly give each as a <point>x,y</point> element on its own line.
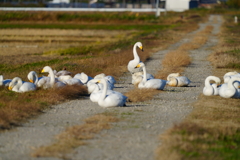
<point>133,63</point>
<point>229,75</point>
<point>181,81</point>
<point>138,77</point>
<point>112,100</point>
<point>151,83</point>
<point>110,80</point>
<point>52,82</point>
<point>230,89</point>
<point>18,85</point>
<point>5,82</point>
<point>84,78</point>
<point>173,75</point>
<point>63,72</point>
<point>211,89</point>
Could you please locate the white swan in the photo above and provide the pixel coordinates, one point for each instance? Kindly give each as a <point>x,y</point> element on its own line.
<point>93,86</point>
<point>112,100</point>
<point>38,81</point>
<point>151,83</point>
<point>52,82</point>
<point>84,78</point>
<point>63,72</point>
<point>173,75</point>
<point>230,89</point>
<point>72,81</point>
<point>138,77</point>
<point>229,75</point>
<point>5,82</point>
<point>110,80</point>
<point>181,81</point>
<point>18,85</point>
<point>211,89</point>
<point>133,63</point>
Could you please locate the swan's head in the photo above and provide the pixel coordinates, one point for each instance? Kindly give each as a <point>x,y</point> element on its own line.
<point>14,82</point>
<point>139,44</point>
<point>46,69</point>
<point>31,76</point>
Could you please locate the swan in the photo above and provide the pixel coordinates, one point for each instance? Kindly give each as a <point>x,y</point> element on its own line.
<point>110,80</point>
<point>38,81</point>
<point>4,82</point>
<point>84,78</point>
<point>112,100</point>
<point>52,82</point>
<point>63,72</point>
<point>138,77</point>
<point>151,83</point>
<point>73,81</point>
<point>211,89</point>
<point>93,86</point>
<point>133,63</point>
<point>229,75</point>
<point>230,89</point>
<point>18,85</point>
<point>173,75</point>
<point>181,81</point>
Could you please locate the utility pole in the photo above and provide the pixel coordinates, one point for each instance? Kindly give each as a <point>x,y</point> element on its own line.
<point>157,9</point>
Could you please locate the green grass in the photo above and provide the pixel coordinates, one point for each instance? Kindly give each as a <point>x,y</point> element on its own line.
<point>226,146</point>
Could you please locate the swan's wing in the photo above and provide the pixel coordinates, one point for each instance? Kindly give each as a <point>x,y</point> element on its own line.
<point>27,86</point>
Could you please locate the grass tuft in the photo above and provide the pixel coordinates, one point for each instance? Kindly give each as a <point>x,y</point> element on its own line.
<point>140,95</point>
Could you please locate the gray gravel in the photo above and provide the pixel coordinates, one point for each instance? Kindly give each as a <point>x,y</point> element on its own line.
<point>134,138</point>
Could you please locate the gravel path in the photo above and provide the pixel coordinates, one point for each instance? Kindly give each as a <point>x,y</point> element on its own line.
<point>134,138</point>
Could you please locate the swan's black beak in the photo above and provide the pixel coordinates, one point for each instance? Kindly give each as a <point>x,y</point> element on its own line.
<point>142,49</point>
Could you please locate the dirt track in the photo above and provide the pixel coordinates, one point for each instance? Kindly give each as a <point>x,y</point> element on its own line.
<point>134,138</point>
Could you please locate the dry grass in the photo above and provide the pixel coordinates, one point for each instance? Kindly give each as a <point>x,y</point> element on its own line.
<point>32,44</point>
<point>140,95</point>
<point>74,136</point>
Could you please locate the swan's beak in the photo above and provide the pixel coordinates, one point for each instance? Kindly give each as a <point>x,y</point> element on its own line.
<point>42,71</point>
<point>31,80</point>
<point>138,66</point>
<point>9,87</point>
<point>141,48</point>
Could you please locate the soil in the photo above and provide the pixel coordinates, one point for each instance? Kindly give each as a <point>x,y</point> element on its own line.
<point>137,135</point>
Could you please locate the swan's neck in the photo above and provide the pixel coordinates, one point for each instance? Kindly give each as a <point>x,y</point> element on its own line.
<point>19,84</point>
<point>35,79</point>
<point>231,83</point>
<point>52,77</point>
<point>135,55</point>
<point>144,75</point>
<point>176,81</point>
<point>104,91</point>
<point>207,81</point>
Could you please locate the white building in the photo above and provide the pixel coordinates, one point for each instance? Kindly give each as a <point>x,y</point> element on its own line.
<point>177,5</point>
<point>59,1</point>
